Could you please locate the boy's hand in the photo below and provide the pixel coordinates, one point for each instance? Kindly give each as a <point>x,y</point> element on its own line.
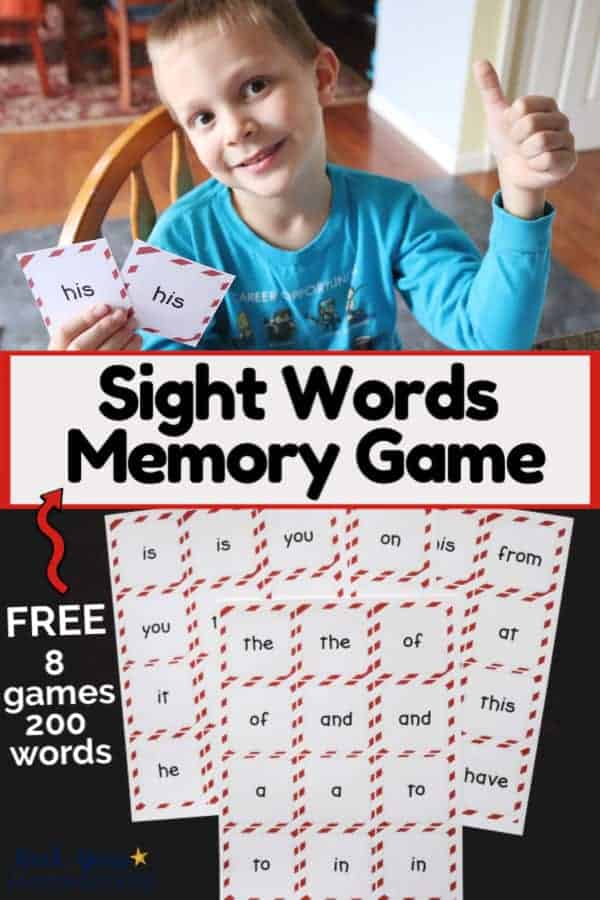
<point>531,140</point>
<point>97,328</point>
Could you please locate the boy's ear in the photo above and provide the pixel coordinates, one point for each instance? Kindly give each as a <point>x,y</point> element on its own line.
<point>327,67</point>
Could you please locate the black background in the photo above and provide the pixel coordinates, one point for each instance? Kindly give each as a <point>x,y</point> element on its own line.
<point>60,811</point>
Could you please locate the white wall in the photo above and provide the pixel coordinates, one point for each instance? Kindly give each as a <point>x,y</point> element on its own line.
<point>421,69</point>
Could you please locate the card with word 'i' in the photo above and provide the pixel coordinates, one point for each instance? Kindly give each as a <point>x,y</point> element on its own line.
<point>66,280</point>
<point>338,758</point>
<point>509,626</point>
<point>173,296</point>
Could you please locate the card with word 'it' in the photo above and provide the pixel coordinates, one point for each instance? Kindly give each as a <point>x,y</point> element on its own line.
<point>514,568</point>
<point>339,748</point>
<point>66,280</point>
<point>173,296</point>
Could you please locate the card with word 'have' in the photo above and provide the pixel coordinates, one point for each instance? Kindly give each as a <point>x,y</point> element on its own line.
<point>173,296</point>
<point>509,568</point>
<point>67,280</point>
<point>339,749</point>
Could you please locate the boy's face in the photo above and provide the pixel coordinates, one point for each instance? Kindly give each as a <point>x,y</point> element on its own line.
<point>251,107</point>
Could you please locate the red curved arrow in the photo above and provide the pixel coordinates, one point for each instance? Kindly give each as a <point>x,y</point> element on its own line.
<point>52,500</point>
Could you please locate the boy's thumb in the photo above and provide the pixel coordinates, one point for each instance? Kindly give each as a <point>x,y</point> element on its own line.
<point>489,85</point>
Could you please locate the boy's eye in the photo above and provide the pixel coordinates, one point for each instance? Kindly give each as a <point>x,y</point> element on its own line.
<point>254,87</point>
<point>202,119</point>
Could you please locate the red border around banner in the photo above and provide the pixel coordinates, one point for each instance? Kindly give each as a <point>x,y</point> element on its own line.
<point>594,421</point>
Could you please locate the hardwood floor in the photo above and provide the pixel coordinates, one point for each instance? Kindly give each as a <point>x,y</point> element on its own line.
<point>41,172</point>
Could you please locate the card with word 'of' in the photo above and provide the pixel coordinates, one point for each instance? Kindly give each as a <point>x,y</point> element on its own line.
<point>66,280</point>
<point>339,750</point>
<point>173,296</point>
<point>513,568</point>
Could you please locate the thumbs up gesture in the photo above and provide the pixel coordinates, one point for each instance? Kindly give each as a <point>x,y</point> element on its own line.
<point>531,140</point>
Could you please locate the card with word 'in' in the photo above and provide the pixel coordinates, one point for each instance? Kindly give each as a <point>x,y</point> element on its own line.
<point>66,280</point>
<point>337,769</point>
<point>173,296</point>
<point>513,585</point>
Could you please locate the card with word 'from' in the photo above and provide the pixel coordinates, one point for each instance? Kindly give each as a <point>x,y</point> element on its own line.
<point>338,743</point>
<point>513,566</point>
<point>66,280</point>
<point>173,296</point>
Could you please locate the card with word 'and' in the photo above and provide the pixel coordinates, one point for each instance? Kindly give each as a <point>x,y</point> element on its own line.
<point>161,665</point>
<point>508,633</point>
<point>337,768</point>
<point>387,549</point>
<point>66,280</point>
<point>173,296</point>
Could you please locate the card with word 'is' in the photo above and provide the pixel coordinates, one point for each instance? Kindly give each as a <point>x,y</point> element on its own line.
<point>173,296</point>
<point>66,280</point>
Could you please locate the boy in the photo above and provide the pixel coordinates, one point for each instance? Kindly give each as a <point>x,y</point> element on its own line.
<point>319,250</point>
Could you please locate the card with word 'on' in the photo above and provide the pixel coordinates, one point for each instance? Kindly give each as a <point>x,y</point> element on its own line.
<point>66,280</point>
<point>173,296</point>
<point>387,548</point>
<point>513,566</point>
<point>339,748</point>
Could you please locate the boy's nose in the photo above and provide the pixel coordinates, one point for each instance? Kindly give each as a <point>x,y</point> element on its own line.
<point>240,127</point>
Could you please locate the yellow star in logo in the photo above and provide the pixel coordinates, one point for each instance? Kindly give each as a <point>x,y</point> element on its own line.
<point>139,857</point>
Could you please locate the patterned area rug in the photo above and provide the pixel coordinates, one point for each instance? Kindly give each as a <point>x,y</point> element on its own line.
<point>95,99</point>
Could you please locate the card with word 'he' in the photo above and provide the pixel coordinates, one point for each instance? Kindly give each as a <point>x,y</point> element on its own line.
<point>66,280</point>
<point>173,296</point>
<point>339,748</point>
<point>513,573</point>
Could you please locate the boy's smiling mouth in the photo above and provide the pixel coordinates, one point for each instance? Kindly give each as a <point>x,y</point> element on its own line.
<point>261,159</point>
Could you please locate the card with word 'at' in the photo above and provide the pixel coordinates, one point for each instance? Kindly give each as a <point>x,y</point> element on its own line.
<point>387,548</point>
<point>173,296</point>
<point>161,665</point>
<point>508,634</point>
<point>66,280</point>
<point>338,758</point>
<point>302,552</point>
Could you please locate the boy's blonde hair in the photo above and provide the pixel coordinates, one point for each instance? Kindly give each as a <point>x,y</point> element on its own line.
<point>282,16</point>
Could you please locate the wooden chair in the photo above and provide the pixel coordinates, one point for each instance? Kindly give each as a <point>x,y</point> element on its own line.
<point>19,22</point>
<point>121,160</point>
<point>127,24</point>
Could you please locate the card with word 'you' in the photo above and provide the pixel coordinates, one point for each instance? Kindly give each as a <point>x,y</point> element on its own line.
<point>508,568</point>
<point>173,296</point>
<point>66,280</point>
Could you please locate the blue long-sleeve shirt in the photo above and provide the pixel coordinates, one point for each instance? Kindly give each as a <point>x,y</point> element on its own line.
<point>339,292</point>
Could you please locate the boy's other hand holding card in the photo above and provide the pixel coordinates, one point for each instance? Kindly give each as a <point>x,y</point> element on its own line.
<point>531,140</point>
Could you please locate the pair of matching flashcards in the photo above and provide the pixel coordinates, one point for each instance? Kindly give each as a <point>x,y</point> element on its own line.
<point>345,688</point>
<point>170,295</point>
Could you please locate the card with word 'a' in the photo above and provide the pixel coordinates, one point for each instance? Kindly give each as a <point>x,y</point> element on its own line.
<point>173,296</point>
<point>339,748</point>
<point>512,590</point>
<point>66,280</point>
